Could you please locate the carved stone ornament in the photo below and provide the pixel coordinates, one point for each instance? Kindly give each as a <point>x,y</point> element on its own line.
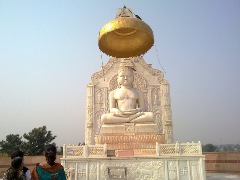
<point>150,81</point>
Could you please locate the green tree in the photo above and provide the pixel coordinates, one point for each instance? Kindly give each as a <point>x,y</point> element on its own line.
<point>81,144</point>
<point>60,151</point>
<point>13,142</point>
<point>36,140</point>
<point>209,148</point>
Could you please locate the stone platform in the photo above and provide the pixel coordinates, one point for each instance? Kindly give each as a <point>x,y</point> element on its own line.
<point>130,142</point>
<point>129,129</point>
<point>171,161</point>
<point>130,139</point>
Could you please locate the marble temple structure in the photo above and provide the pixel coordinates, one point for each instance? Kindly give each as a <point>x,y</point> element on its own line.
<point>129,130</point>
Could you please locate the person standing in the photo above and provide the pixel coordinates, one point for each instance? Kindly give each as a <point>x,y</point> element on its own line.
<point>25,170</point>
<point>15,171</point>
<point>49,169</point>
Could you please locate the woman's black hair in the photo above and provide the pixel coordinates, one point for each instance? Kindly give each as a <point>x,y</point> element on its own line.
<point>50,154</point>
<point>17,153</point>
<point>17,162</point>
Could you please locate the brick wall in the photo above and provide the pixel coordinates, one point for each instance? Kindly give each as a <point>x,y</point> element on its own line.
<point>222,162</point>
<point>217,162</point>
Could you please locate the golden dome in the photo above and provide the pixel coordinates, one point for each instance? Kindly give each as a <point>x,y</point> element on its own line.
<point>125,37</point>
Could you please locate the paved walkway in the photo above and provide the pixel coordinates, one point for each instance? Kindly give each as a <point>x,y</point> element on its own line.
<point>222,176</point>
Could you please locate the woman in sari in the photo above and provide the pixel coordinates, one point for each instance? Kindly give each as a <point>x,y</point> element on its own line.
<point>49,170</point>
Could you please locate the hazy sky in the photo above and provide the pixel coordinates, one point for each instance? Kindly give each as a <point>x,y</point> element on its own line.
<point>49,51</point>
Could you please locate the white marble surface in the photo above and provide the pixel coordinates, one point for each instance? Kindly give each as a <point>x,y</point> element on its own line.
<point>223,176</point>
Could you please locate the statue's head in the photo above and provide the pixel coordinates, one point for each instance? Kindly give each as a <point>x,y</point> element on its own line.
<point>125,76</point>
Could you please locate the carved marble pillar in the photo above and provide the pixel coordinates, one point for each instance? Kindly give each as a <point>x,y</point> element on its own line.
<point>155,106</point>
<point>100,107</point>
<point>166,111</point>
<point>89,139</point>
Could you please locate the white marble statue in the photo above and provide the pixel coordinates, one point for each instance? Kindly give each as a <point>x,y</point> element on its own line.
<point>126,103</point>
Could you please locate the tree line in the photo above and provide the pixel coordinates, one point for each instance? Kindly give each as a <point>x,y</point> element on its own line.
<point>221,148</point>
<point>32,143</point>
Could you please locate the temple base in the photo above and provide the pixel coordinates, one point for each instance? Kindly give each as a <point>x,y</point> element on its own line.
<point>130,139</point>
<point>129,129</point>
<point>171,161</point>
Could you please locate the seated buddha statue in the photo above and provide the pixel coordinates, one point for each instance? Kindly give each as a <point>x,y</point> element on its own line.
<point>126,103</point>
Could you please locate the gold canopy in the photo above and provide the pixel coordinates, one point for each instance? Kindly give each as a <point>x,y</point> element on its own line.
<point>125,37</point>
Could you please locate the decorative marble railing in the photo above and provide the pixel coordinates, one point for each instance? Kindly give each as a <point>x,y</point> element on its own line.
<point>84,151</point>
<point>177,149</point>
